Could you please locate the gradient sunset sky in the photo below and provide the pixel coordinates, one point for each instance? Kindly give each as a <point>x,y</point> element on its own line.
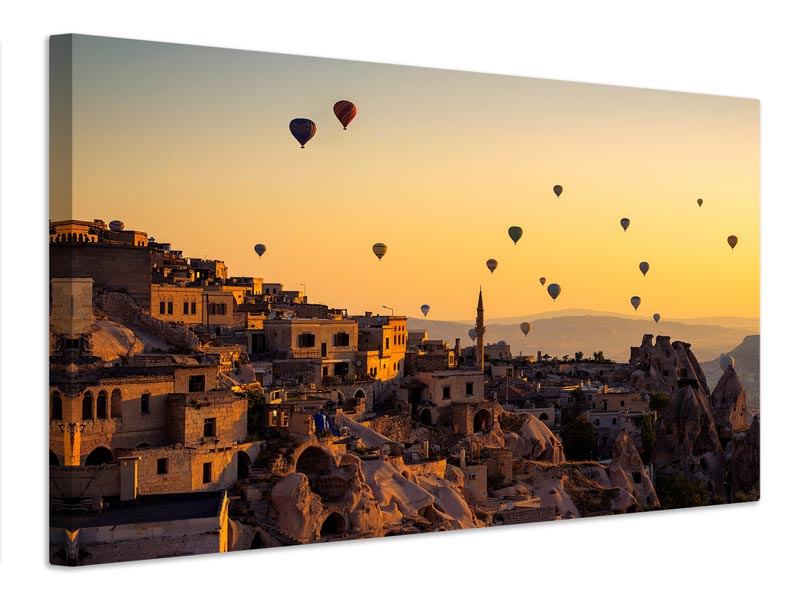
<point>191,145</point>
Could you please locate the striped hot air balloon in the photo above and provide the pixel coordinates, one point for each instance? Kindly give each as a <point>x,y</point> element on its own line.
<point>345,111</point>
<point>380,250</point>
<point>302,130</point>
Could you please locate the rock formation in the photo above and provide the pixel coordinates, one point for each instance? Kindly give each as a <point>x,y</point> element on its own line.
<point>687,441</point>
<point>530,438</point>
<point>627,471</point>
<point>728,404</point>
<point>661,366</point>
<point>744,468</point>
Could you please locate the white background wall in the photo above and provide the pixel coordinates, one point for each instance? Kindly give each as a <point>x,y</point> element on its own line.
<point>728,48</point>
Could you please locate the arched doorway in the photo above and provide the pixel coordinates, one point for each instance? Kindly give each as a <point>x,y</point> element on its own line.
<point>425,417</point>
<point>102,405</point>
<point>243,464</point>
<point>54,462</point>
<point>543,417</point>
<point>100,456</point>
<point>482,420</point>
<point>87,412</point>
<point>333,525</point>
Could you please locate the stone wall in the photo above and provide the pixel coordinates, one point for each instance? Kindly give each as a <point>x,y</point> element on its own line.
<point>113,268</point>
<point>396,428</point>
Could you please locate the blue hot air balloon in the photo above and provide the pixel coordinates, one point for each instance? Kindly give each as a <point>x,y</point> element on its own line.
<point>425,308</point>
<point>302,130</point>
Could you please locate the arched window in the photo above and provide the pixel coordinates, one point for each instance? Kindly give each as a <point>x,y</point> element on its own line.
<point>56,410</point>
<point>87,414</point>
<point>116,404</point>
<point>102,405</point>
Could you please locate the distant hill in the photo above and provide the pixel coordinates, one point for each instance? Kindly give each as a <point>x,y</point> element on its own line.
<point>747,357</point>
<point>614,335</point>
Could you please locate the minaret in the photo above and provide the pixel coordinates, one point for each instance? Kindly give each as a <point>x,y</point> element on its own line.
<point>480,329</point>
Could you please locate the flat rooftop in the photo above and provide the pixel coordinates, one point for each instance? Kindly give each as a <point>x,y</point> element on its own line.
<point>145,509</point>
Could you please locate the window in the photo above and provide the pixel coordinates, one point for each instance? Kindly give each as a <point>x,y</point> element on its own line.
<point>637,477</point>
<point>169,307</point>
<point>212,309</point>
<point>197,383</point>
<point>341,339</point>
<point>162,307</point>
<point>186,308</point>
<point>194,308</point>
<point>324,371</point>
<point>614,421</point>
<point>622,402</point>
<point>207,472</point>
<point>88,402</point>
<point>446,392</point>
<point>73,344</point>
<point>306,340</point>
<point>56,411</point>
<point>210,427</point>
<point>162,466</point>
<point>470,389</point>
<point>387,343</point>
<point>145,404</point>
<point>102,405</point>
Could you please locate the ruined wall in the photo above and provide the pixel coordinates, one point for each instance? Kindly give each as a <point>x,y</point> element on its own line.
<point>123,307</point>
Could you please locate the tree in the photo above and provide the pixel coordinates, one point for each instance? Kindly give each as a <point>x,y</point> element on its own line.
<point>679,491</point>
<point>578,356</point>
<point>648,437</point>
<point>659,402</point>
<point>580,439</point>
<point>256,401</point>
<point>598,356</point>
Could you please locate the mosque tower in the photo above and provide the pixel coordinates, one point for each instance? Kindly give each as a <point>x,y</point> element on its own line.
<point>480,329</point>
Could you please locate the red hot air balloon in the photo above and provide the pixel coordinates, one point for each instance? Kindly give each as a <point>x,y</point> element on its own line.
<point>302,130</point>
<point>345,111</point>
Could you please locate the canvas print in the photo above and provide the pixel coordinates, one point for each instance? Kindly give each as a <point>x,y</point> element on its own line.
<point>297,300</point>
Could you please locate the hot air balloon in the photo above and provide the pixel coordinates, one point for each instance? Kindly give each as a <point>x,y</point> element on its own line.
<point>491,264</point>
<point>515,233</point>
<point>472,334</point>
<point>302,130</point>
<point>380,250</point>
<point>542,280</point>
<point>699,202</point>
<point>260,249</point>
<point>425,308</point>
<point>644,268</point>
<point>558,189</point>
<point>345,111</point>
<point>625,222</point>
<point>525,327</point>
<point>636,301</point>
<point>656,317</point>
<point>554,290</point>
<point>725,361</point>
<point>732,241</point>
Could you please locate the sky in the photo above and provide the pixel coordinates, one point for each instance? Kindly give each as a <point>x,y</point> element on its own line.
<point>191,145</point>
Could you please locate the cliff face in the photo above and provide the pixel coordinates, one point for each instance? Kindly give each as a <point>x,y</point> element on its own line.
<point>728,401</point>
<point>660,366</point>
<point>687,441</point>
<point>533,440</point>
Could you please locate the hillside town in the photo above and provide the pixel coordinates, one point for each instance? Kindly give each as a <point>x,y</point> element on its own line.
<point>195,411</point>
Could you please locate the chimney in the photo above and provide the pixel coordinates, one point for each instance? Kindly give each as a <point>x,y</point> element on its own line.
<point>462,459</point>
<point>458,348</point>
<point>538,356</point>
<point>368,313</point>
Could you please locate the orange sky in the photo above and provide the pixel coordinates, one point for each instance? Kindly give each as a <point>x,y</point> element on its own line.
<point>191,145</point>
